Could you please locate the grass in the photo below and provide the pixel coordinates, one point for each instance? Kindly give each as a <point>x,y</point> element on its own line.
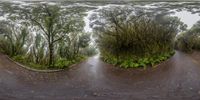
<point>60,63</point>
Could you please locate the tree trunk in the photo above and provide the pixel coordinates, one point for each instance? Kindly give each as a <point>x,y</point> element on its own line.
<point>51,55</point>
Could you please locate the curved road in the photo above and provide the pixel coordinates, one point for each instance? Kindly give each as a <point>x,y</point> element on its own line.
<point>176,79</point>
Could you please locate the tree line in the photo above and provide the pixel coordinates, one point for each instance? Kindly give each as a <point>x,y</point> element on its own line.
<point>133,38</point>
<point>46,37</point>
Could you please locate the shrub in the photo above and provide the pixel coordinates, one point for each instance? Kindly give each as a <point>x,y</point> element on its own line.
<point>135,40</point>
<point>137,61</point>
<point>20,58</point>
<point>63,63</point>
<point>189,40</point>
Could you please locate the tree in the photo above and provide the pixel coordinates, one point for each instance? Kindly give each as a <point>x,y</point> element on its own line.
<point>55,35</point>
<point>189,40</point>
<point>53,25</point>
<point>83,41</point>
<point>124,36</point>
<point>13,39</point>
<point>131,31</point>
<point>37,49</point>
<point>70,47</point>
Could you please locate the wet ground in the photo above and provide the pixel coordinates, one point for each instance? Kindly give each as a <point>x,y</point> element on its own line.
<point>176,79</point>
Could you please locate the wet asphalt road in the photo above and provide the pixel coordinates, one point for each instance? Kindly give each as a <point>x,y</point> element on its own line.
<point>176,79</point>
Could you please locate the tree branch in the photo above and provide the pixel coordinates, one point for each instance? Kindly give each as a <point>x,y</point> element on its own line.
<point>40,25</point>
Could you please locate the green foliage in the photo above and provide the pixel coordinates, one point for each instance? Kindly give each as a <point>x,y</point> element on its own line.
<point>36,66</point>
<point>57,43</point>
<point>62,63</point>
<point>5,47</point>
<point>137,40</point>
<point>24,60</point>
<point>137,62</point>
<point>73,45</point>
<point>20,58</point>
<point>129,64</point>
<point>13,39</point>
<point>83,40</point>
<point>141,37</point>
<point>58,31</point>
<point>189,40</point>
<point>37,51</point>
<point>89,51</point>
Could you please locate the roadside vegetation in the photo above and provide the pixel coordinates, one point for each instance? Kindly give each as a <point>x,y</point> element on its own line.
<point>132,40</point>
<point>189,40</point>
<point>49,37</point>
<point>45,38</point>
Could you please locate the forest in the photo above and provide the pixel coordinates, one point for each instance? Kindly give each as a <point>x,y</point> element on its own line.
<point>54,41</point>
<point>99,50</point>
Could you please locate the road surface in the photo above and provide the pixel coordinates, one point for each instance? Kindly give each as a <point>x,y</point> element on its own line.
<point>176,79</point>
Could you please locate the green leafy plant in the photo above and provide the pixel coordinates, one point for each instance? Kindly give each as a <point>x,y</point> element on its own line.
<point>138,62</point>
<point>63,63</point>
<point>189,40</point>
<point>55,41</point>
<point>138,40</point>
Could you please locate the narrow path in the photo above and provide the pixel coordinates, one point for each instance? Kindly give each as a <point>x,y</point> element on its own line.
<point>176,79</point>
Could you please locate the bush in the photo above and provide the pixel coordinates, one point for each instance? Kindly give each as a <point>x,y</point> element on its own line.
<point>89,51</point>
<point>63,63</point>
<point>5,47</point>
<point>20,58</point>
<point>137,40</point>
<point>60,63</point>
<point>137,61</point>
<point>189,40</point>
